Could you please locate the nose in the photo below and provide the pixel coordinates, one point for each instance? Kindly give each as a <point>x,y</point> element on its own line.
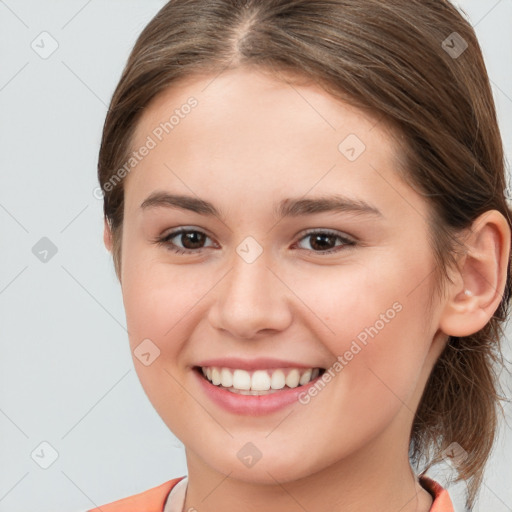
<point>251,301</point>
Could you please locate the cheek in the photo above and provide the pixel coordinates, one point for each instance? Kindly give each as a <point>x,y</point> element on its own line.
<point>374,324</point>
<point>163,301</point>
<point>162,305</point>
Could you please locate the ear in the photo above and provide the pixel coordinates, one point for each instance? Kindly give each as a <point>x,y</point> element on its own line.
<point>107,235</point>
<point>480,281</point>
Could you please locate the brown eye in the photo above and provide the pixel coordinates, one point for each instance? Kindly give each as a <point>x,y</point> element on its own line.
<point>185,241</point>
<point>192,239</point>
<point>326,241</point>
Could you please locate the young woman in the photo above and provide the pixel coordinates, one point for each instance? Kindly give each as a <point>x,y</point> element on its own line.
<point>305,202</point>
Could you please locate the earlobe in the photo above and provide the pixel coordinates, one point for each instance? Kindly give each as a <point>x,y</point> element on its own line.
<point>476,293</point>
<point>107,236</point>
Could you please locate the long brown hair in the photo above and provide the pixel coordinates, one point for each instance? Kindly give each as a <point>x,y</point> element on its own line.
<point>418,66</point>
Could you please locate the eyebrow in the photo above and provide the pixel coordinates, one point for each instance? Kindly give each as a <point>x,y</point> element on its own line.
<point>290,207</point>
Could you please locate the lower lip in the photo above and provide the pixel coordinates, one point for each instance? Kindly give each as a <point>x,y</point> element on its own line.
<point>252,405</point>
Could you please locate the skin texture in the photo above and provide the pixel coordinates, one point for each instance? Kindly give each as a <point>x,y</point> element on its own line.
<point>251,142</point>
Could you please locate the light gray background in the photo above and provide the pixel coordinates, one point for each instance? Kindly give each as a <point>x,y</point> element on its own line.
<point>66,374</point>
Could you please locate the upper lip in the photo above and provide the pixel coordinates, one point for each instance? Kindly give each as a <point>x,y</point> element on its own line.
<point>261,363</point>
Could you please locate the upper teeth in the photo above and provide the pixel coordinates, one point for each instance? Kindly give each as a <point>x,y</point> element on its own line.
<point>259,380</point>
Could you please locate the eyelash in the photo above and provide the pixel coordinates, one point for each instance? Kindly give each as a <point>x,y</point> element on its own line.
<point>165,241</point>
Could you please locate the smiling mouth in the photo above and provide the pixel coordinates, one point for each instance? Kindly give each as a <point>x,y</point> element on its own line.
<point>258,382</point>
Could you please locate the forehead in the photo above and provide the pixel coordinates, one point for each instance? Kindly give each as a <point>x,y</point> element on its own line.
<point>248,130</point>
<point>255,100</point>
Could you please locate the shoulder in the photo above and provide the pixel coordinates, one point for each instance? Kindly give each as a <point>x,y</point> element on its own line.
<point>442,501</point>
<point>152,500</point>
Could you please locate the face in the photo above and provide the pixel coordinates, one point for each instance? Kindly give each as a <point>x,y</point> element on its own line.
<point>267,233</point>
